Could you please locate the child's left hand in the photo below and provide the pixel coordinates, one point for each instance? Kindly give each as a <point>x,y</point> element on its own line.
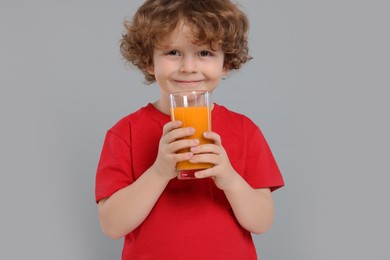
<point>222,172</point>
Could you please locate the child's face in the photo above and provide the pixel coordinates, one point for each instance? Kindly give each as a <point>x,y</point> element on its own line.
<point>183,66</point>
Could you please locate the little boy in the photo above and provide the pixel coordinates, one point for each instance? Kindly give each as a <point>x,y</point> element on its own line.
<point>186,45</point>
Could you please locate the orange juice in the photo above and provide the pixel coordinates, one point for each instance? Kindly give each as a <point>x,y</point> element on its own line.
<point>200,119</point>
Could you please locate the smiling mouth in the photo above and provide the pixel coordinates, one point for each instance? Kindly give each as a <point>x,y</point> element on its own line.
<point>188,81</point>
<point>189,84</point>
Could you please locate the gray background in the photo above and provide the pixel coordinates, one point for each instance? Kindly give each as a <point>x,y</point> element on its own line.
<point>318,87</point>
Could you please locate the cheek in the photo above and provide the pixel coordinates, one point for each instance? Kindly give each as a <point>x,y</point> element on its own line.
<point>218,69</point>
<point>163,67</point>
<point>215,72</point>
<point>158,70</point>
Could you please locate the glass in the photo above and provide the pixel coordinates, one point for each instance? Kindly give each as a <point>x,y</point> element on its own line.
<point>193,109</point>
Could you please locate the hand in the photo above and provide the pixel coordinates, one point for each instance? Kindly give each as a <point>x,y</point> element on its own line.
<point>172,140</point>
<point>222,172</point>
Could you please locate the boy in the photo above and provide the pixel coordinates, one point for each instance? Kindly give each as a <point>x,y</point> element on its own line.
<point>185,45</point>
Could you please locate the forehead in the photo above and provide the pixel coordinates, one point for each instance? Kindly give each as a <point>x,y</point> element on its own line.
<point>183,32</point>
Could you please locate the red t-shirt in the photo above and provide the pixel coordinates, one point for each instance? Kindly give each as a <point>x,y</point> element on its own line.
<point>192,218</point>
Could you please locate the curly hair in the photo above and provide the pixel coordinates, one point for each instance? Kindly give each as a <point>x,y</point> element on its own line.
<point>211,21</point>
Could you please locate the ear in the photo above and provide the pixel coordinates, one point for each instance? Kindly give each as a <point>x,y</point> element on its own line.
<point>150,70</point>
<point>225,70</point>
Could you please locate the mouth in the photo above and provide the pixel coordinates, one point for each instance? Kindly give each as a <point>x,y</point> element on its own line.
<point>188,83</point>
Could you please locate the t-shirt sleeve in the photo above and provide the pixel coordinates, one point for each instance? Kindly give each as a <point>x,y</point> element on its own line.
<point>114,167</point>
<point>261,169</point>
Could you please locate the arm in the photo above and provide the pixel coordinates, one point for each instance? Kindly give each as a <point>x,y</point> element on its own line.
<point>253,208</point>
<point>126,209</point>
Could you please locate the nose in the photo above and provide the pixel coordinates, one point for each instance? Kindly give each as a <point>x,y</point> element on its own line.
<point>188,64</point>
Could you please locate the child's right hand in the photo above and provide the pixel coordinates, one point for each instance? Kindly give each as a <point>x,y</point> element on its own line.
<point>170,143</point>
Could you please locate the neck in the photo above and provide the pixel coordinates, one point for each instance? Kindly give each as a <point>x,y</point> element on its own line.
<point>161,107</point>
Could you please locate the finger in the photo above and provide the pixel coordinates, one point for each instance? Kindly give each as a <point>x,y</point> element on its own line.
<point>206,148</point>
<point>168,127</point>
<point>183,144</point>
<point>178,133</point>
<point>204,173</point>
<point>205,158</point>
<point>178,157</point>
<point>213,136</point>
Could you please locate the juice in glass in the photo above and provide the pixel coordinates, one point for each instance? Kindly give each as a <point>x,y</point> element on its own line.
<point>197,116</point>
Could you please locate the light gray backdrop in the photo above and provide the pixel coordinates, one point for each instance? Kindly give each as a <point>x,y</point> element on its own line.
<point>318,87</point>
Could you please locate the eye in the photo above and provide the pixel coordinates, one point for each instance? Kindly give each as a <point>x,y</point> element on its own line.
<point>205,53</point>
<point>173,52</point>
